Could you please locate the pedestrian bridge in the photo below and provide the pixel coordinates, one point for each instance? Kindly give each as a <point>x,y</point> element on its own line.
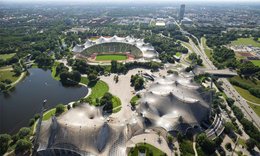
<point>217,73</point>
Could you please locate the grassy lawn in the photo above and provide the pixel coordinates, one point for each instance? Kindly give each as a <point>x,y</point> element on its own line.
<point>247,81</point>
<point>186,148</point>
<point>147,148</point>
<point>104,57</point>
<point>116,104</point>
<point>98,89</point>
<point>255,108</point>
<point>53,71</point>
<point>178,54</point>
<point>134,99</point>
<point>246,41</point>
<point>8,74</point>
<point>256,62</point>
<point>208,51</point>
<point>246,95</point>
<point>241,142</point>
<point>6,56</point>
<point>49,114</point>
<point>84,80</point>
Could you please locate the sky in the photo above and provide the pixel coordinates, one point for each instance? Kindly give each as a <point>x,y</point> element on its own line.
<point>134,1</point>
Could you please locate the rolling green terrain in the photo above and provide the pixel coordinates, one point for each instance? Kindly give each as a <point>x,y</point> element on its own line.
<point>246,41</point>
<point>108,57</point>
<point>8,74</point>
<point>6,56</point>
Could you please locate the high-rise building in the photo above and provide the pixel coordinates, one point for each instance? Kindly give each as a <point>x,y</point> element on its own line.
<point>182,11</point>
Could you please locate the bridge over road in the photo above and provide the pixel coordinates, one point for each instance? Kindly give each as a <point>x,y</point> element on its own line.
<point>218,73</point>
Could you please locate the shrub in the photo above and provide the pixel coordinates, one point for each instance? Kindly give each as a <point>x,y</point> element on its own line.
<point>24,132</point>
<point>59,109</point>
<point>23,145</point>
<point>4,143</point>
<point>31,122</point>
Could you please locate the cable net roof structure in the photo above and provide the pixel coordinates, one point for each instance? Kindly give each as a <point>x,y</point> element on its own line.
<point>171,103</point>
<point>117,44</point>
<point>84,130</point>
<point>174,103</point>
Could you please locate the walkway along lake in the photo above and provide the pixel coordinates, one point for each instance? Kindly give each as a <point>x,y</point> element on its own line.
<point>20,105</point>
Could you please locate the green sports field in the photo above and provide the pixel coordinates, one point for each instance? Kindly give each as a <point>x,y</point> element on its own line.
<point>246,41</point>
<point>107,57</point>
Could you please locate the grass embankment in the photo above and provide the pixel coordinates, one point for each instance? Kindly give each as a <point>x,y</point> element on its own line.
<point>98,89</point>
<point>246,41</point>
<point>246,94</point>
<point>134,100</point>
<point>145,148</point>
<point>6,56</point>
<point>8,74</point>
<point>207,50</point>
<point>107,57</point>
<point>47,115</point>
<point>116,102</point>
<point>255,108</point>
<point>53,71</point>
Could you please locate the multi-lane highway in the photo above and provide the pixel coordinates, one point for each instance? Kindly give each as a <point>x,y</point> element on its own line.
<point>228,88</point>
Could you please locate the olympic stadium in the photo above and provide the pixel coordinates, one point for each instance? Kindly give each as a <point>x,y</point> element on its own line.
<point>173,103</point>
<point>133,48</point>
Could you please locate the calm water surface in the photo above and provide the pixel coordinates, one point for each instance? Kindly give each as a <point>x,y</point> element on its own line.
<point>26,100</point>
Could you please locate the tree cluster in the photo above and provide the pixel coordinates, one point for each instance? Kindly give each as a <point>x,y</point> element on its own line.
<point>224,57</point>
<point>70,78</point>
<point>137,81</point>
<point>195,59</point>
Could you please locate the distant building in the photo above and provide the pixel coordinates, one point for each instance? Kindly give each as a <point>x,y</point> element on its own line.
<point>182,11</point>
<point>160,23</point>
<point>186,21</point>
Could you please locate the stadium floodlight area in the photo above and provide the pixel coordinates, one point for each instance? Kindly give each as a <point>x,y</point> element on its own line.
<point>171,103</point>
<point>115,44</point>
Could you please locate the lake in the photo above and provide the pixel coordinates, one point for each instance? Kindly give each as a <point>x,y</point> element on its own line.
<point>25,101</point>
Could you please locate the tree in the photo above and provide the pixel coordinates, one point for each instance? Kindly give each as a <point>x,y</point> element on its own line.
<point>107,101</point>
<point>31,122</point>
<point>206,144</point>
<point>22,146</point>
<point>70,78</point>
<point>92,77</point>
<point>228,146</point>
<point>114,66</point>
<point>17,69</point>
<point>230,101</point>
<point>250,143</point>
<point>24,132</point>
<point>59,109</point>
<point>137,81</point>
<point>229,127</point>
<point>4,143</point>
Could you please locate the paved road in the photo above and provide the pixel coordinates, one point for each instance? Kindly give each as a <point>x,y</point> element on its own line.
<point>229,90</point>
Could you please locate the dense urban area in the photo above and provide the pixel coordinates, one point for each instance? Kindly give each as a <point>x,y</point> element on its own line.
<point>130,79</point>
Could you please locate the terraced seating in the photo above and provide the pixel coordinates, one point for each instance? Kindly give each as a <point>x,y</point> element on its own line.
<point>113,47</point>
